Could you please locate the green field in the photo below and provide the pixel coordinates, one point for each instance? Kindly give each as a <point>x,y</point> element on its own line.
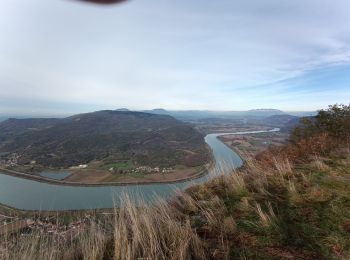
<point>124,166</point>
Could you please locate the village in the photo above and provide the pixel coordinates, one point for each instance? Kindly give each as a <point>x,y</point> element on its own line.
<point>40,225</point>
<point>147,170</point>
<point>141,170</point>
<point>11,161</point>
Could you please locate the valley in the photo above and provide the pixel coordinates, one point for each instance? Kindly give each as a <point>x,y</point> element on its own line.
<point>123,146</point>
<point>105,146</point>
<point>218,202</point>
<point>248,146</point>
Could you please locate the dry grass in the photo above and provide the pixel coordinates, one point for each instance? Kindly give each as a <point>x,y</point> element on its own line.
<point>154,233</point>
<point>319,164</point>
<point>267,219</point>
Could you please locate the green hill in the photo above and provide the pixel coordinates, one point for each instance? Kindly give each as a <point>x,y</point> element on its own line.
<point>146,139</point>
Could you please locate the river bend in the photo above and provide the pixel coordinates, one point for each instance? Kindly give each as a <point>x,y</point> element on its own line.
<point>33,195</point>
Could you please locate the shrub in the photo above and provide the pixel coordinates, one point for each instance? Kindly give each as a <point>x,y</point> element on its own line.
<point>335,121</point>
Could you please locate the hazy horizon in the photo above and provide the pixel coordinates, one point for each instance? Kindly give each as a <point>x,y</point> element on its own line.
<point>4,116</point>
<point>64,57</point>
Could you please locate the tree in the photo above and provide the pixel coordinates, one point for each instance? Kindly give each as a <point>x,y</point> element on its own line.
<point>335,121</point>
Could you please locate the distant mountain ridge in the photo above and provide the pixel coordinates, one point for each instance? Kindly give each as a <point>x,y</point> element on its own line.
<point>201,114</point>
<point>158,111</point>
<point>265,112</point>
<point>122,109</point>
<point>280,120</point>
<point>146,139</point>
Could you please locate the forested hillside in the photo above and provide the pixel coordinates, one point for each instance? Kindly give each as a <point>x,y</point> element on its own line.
<point>146,139</point>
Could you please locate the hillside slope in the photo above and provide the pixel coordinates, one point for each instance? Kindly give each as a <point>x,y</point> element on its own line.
<point>146,139</point>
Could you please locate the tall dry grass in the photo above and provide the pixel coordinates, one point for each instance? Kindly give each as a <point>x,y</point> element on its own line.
<point>155,232</point>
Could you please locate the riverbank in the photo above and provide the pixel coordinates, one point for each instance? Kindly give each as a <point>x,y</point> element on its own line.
<point>37,178</point>
<point>96,177</point>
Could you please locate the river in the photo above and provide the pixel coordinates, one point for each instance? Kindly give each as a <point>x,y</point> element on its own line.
<point>32,195</point>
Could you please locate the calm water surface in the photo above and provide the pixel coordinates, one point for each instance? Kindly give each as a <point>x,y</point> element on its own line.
<point>55,175</point>
<point>31,195</point>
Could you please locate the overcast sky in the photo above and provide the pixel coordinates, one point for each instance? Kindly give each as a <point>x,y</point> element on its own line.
<point>62,56</point>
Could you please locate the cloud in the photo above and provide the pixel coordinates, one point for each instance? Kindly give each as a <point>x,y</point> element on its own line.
<point>173,54</point>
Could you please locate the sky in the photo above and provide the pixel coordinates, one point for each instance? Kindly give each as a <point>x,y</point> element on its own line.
<point>65,56</point>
